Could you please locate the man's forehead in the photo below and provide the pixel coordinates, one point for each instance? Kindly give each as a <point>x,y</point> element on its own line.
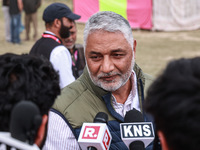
<point>100,36</point>
<point>93,31</point>
<point>103,34</point>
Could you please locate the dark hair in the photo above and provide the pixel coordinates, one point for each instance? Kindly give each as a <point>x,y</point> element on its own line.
<point>48,24</point>
<point>174,101</point>
<point>25,77</point>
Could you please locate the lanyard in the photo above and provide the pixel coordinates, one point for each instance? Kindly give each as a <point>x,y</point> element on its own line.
<point>74,57</point>
<point>52,37</point>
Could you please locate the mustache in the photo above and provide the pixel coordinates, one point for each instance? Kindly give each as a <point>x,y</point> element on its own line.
<point>103,75</point>
<point>68,40</point>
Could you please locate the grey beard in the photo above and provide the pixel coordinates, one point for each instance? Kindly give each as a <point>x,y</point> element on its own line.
<point>111,89</point>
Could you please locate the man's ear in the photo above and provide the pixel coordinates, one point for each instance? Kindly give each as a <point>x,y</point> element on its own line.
<point>57,23</point>
<point>41,131</point>
<point>163,140</point>
<point>134,46</point>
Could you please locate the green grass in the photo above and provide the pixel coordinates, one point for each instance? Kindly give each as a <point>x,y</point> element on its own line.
<point>154,49</point>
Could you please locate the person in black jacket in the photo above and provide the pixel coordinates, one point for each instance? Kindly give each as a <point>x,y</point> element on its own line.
<point>15,9</point>
<point>30,8</point>
<point>58,20</point>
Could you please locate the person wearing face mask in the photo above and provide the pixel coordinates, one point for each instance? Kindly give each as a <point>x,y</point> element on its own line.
<point>58,20</point>
<point>76,51</point>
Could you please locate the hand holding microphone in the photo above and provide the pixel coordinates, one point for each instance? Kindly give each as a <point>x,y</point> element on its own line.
<point>136,133</point>
<point>95,135</point>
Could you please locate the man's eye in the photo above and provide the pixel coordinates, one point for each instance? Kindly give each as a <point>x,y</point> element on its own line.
<point>95,58</point>
<point>118,55</point>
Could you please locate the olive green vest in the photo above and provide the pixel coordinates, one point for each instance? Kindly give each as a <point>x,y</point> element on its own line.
<point>80,101</point>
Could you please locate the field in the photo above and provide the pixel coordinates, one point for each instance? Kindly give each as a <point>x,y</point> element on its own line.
<point>154,49</point>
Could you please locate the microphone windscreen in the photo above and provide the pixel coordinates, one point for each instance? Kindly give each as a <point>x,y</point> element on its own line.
<point>25,121</point>
<point>101,117</point>
<point>91,148</point>
<point>133,116</point>
<point>137,145</point>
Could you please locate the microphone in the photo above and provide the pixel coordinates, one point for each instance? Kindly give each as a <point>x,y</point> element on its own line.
<point>136,133</point>
<point>25,121</point>
<point>95,136</point>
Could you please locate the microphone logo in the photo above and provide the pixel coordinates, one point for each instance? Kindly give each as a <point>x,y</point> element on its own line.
<point>91,132</point>
<point>95,135</point>
<point>137,130</point>
<point>106,140</point>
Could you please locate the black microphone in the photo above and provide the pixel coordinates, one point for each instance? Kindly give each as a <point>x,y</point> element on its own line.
<point>95,136</point>
<point>130,117</point>
<point>101,117</point>
<point>25,121</point>
<point>136,133</point>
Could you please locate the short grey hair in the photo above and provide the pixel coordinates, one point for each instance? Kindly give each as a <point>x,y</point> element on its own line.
<point>108,21</point>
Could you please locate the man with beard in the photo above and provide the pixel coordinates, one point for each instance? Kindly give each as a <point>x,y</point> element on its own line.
<point>76,50</point>
<point>28,88</point>
<point>58,20</point>
<point>111,82</point>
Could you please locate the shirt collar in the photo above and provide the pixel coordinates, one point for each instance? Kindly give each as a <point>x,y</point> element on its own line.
<point>132,100</point>
<point>49,32</point>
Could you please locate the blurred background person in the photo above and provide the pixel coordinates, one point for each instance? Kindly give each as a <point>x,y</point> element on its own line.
<point>32,81</point>
<point>30,9</point>
<point>58,20</point>
<point>5,9</point>
<point>76,51</point>
<point>174,101</point>
<point>15,9</point>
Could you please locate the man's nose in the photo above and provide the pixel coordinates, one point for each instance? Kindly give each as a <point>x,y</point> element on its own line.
<point>107,65</point>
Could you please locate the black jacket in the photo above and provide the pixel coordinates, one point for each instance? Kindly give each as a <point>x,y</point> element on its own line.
<point>31,6</point>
